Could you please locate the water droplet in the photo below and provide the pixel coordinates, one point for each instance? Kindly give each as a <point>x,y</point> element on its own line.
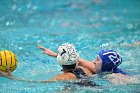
<point>29,5</point>
<point>14,7</point>
<point>129,26</point>
<point>34,7</point>
<point>104,19</point>
<point>20,48</point>
<point>7,23</point>
<point>19,9</point>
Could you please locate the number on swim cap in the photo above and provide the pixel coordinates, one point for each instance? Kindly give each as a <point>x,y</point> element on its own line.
<point>114,57</point>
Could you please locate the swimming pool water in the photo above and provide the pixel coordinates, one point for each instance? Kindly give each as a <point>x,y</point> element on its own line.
<point>91,25</point>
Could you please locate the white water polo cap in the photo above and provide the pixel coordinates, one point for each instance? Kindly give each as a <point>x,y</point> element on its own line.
<point>67,54</point>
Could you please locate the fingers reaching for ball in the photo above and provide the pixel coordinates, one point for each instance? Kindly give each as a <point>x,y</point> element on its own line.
<point>8,71</point>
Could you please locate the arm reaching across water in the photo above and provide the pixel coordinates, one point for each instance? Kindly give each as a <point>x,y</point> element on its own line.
<point>81,62</point>
<point>60,77</point>
<point>9,75</point>
<point>48,51</point>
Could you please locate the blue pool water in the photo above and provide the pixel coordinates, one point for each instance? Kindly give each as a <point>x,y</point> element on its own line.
<point>91,25</point>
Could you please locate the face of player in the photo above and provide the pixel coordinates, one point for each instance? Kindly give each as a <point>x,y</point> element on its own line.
<point>98,64</point>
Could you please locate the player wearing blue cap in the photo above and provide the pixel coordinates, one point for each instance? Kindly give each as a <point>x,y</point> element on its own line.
<point>106,61</point>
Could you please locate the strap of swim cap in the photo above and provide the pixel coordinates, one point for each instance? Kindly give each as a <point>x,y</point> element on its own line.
<point>117,70</point>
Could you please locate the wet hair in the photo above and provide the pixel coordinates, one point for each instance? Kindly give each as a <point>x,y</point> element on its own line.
<point>68,67</point>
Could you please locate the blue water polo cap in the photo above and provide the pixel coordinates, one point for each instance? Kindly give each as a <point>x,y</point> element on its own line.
<point>110,60</point>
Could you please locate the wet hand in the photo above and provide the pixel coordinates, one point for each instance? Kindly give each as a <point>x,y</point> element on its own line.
<point>42,48</point>
<point>8,72</point>
<point>48,51</point>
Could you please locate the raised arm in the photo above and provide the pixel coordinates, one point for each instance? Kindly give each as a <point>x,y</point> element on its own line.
<point>87,64</point>
<point>48,51</point>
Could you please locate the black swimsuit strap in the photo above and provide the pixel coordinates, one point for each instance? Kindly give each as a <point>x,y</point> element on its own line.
<point>78,72</point>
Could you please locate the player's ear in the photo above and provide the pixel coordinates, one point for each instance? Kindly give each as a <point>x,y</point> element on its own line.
<point>98,58</point>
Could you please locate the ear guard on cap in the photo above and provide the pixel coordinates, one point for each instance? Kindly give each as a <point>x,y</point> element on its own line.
<point>67,54</point>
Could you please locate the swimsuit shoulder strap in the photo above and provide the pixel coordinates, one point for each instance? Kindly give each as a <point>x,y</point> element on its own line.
<point>78,72</point>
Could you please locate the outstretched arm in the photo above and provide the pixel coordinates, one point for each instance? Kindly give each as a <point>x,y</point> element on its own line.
<point>60,77</point>
<point>48,51</point>
<point>9,75</point>
<point>82,62</point>
<point>4,74</point>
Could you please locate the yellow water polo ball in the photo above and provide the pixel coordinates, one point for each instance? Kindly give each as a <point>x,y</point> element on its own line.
<point>8,60</point>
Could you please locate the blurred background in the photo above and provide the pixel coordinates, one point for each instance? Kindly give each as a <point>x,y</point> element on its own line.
<point>91,25</point>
